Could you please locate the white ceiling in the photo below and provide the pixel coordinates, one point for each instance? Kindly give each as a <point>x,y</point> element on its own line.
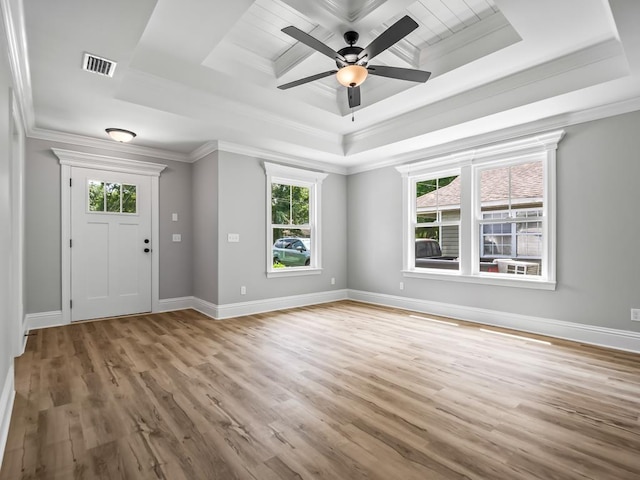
<point>196,74</point>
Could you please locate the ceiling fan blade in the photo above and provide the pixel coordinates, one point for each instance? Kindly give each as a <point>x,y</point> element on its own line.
<point>313,43</point>
<point>390,36</point>
<point>399,73</point>
<point>304,80</point>
<point>353,93</point>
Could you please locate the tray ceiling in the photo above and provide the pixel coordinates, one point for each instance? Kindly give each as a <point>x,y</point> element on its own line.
<point>192,74</point>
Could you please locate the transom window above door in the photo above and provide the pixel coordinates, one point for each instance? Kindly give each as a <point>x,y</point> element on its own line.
<point>111,197</point>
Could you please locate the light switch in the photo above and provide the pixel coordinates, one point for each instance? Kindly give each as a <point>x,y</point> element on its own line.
<point>177,237</point>
<point>233,237</point>
<point>174,217</point>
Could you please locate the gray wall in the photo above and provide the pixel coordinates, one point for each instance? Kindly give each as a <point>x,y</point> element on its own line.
<point>176,273</point>
<point>598,230</point>
<point>598,267</point>
<point>242,209</point>
<point>205,228</point>
<point>42,225</point>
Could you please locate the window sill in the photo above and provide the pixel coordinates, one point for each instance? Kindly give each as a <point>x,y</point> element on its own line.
<point>293,272</point>
<point>504,280</point>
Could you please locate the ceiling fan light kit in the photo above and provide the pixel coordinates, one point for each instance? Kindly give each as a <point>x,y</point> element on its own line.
<point>353,61</point>
<point>352,75</point>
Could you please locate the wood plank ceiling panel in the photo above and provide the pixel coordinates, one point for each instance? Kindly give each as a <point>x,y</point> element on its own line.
<point>259,30</point>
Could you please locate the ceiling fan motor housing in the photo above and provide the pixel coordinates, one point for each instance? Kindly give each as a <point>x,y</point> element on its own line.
<point>351,37</point>
<point>351,55</point>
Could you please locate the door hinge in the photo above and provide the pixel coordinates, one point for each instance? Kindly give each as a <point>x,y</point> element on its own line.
<point>70,243</point>
<point>70,303</point>
<point>70,182</point>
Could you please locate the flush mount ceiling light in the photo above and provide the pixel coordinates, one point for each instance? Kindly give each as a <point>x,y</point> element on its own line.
<point>120,135</point>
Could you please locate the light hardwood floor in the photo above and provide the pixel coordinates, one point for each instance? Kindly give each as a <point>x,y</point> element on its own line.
<point>336,391</point>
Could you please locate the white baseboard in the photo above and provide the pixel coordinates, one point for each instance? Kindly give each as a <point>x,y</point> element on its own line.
<point>6,407</point>
<point>207,308</point>
<point>178,303</point>
<point>23,347</point>
<point>34,321</point>
<point>231,310</point>
<point>593,335</point>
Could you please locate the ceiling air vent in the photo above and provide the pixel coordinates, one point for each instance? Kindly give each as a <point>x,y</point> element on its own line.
<point>98,65</point>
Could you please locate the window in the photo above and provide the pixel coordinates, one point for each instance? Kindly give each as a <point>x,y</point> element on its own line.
<point>511,205</point>
<point>111,197</point>
<point>437,222</point>
<point>293,227</point>
<point>516,238</point>
<point>485,216</point>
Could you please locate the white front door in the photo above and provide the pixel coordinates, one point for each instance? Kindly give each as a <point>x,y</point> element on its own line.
<point>110,243</point>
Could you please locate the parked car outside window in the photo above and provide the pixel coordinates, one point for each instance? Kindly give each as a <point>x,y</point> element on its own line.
<point>291,252</point>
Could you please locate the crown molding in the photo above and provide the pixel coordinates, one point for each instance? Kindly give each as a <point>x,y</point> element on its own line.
<point>14,25</point>
<point>599,55</point>
<point>532,128</point>
<point>279,157</point>
<point>511,133</point>
<point>529,145</point>
<point>203,150</point>
<point>80,140</point>
<point>230,147</point>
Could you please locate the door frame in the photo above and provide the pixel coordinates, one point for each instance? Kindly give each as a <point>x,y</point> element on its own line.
<point>68,160</point>
<point>16,168</point>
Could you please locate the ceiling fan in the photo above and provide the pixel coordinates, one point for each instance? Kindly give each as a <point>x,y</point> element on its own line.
<point>353,61</point>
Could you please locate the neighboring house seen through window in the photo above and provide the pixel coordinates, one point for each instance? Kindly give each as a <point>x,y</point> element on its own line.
<point>487,215</point>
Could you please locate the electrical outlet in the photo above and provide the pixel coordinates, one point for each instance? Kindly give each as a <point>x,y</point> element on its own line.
<point>243,290</point>
<point>635,314</point>
<point>176,237</point>
<point>233,237</point>
<point>333,281</point>
<point>174,217</point>
<point>401,285</point>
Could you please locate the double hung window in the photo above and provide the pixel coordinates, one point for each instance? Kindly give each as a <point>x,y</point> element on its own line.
<point>487,215</point>
<point>293,220</point>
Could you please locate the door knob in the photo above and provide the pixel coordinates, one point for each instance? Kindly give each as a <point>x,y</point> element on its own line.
<point>146,240</point>
<point>147,250</point>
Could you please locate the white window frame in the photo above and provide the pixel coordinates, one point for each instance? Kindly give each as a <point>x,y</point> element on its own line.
<point>470,163</point>
<point>302,178</point>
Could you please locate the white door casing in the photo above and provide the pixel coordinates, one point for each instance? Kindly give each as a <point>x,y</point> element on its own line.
<point>111,167</point>
<point>110,251</point>
<point>16,167</point>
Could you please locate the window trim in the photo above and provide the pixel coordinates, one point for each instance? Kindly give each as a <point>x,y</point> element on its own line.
<point>541,147</point>
<point>286,175</point>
